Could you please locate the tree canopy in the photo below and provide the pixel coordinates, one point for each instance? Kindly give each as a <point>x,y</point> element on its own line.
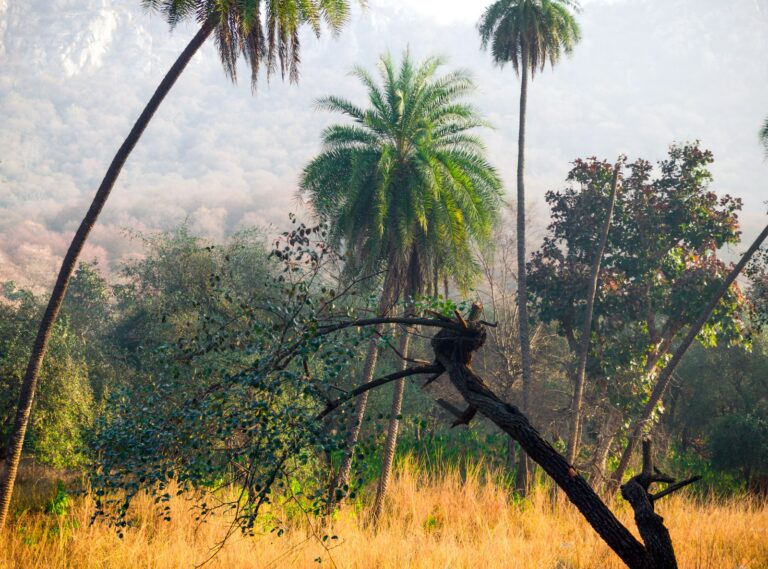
<point>661,259</point>
<point>265,33</point>
<point>406,185</point>
<point>529,33</point>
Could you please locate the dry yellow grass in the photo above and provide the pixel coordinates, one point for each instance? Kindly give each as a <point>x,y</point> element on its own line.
<point>452,522</point>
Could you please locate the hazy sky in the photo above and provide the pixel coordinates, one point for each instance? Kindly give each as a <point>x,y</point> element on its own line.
<point>74,75</point>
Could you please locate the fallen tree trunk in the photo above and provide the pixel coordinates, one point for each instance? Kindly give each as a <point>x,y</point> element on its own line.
<point>454,346</point>
<point>454,352</point>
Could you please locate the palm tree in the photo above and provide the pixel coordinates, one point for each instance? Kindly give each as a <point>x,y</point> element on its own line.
<point>264,33</point>
<point>527,34</point>
<point>408,191</point>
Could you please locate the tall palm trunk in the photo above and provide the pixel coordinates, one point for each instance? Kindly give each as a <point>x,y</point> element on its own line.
<point>29,384</point>
<point>394,424</point>
<point>666,375</point>
<point>369,369</point>
<point>523,475</point>
<point>574,437</point>
<point>342,478</point>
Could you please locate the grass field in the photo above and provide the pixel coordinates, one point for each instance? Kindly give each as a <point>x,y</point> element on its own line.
<point>451,522</point>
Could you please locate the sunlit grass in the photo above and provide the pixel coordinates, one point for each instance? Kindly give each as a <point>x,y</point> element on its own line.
<point>457,520</point>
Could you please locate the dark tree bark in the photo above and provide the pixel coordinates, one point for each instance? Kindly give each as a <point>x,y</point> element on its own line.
<point>651,525</point>
<point>454,352</point>
<point>29,384</point>
<point>574,434</point>
<point>666,375</point>
<point>454,346</point>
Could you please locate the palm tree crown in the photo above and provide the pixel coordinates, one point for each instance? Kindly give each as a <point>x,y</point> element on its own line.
<point>536,30</point>
<point>406,185</point>
<point>262,31</point>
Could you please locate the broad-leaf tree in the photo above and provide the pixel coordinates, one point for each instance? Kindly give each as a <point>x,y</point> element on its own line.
<point>407,191</point>
<point>527,34</point>
<point>265,33</point>
<point>660,260</point>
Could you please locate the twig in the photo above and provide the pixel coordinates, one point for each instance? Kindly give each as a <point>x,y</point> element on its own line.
<point>673,488</point>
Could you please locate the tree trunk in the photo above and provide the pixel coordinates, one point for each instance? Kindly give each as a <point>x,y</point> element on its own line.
<point>391,443</point>
<point>342,479</point>
<point>361,404</point>
<point>454,351</point>
<point>29,384</point>
<point>523,474</point>
<point>666,376</point>
<point>574,435</point>
<point>605,438</point>
<point>511,451</point>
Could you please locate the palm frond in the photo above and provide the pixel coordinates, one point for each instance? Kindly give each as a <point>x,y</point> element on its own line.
<point>265,33</point>
<point>543,30</point>
<point>406,185</point>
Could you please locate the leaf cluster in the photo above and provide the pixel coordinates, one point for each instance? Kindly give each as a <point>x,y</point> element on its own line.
<point>265,33</point>
<point>661,261</point>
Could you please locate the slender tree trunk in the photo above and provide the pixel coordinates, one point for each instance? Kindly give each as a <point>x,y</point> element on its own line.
<point>523,474</point>
<point>511,446</point>
<point>665,377</point>
<point>29,384</point>
<point>391,443</point>
<point>361,404</point>
<point>597,474</point>
<point>574,436</point>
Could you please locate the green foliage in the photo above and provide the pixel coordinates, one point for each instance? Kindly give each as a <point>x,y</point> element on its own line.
<point>538,30</point>
<point>740,442</point>
<point>406,186</point>
<point>660,265</point>
<point>180,286</point>
<point>60,503</point>
<point>757,271</point>
<point>232,394</point>
<point>718,412</point>
<point>263,32</point>
<point>64,407</point>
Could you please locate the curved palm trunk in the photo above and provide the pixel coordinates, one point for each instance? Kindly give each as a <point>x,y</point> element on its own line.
<point>574,436</point>
<point>394,425</point>
<point>523,474</point>
<point>666,375</point>
<point>29,384</point>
